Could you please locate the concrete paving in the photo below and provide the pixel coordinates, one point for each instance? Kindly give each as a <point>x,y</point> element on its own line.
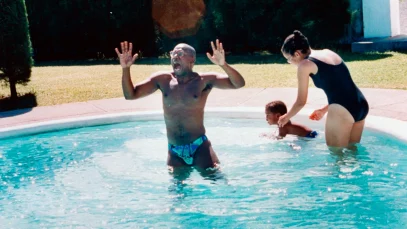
<point>383,102</point>
<point>395,43</point>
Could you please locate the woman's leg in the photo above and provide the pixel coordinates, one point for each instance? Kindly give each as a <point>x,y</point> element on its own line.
<point>356,133</point>
<point>338,128</point>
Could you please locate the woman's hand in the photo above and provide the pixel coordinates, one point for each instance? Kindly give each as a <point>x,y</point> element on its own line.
<point>318,114</point>
<point>284,119</point>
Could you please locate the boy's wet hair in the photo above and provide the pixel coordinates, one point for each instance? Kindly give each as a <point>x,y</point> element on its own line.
<point>276,107</point>
<point>294,42</point>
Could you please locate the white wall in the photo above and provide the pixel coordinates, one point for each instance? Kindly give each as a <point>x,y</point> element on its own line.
<point>403,17</point>
<point>381,18</point>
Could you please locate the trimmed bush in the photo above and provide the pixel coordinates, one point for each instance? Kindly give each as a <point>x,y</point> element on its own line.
<point>15,44</point>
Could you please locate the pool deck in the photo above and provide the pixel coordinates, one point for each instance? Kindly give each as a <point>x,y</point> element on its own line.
<point>383,102</point>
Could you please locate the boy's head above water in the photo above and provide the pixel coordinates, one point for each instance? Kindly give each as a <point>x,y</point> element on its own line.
<point>274,110</point>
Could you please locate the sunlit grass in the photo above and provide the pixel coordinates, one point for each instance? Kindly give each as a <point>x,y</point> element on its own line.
<point>53,84</point>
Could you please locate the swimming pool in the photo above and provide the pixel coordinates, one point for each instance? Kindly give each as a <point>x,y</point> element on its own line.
<point>114,176</point>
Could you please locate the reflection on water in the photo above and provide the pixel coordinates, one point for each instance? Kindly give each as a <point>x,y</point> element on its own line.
<point>104,177</point>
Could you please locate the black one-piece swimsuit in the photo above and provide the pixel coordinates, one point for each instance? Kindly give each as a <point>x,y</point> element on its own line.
<point>340,89</point>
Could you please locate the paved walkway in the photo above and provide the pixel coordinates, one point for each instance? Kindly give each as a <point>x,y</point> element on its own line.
<point>383,102</point>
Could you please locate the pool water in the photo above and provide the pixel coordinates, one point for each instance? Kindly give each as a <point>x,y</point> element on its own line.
<point>115,176</point>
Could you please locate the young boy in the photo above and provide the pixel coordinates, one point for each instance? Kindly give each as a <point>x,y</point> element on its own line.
<point>277,108</point>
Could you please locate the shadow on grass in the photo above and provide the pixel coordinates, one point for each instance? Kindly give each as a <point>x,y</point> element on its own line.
<point>17,106</point>
<point>76,63</point>
<point>257,58</point>
<point>202,59</point>
<point>349,56</point>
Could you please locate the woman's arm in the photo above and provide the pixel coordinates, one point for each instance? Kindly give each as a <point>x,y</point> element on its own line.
<point>304,70</point>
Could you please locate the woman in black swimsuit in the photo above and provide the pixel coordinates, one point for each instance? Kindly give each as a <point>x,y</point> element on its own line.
<point>347,107</point>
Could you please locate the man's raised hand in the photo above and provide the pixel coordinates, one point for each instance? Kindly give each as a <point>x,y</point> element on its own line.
<point>126,58</point>
<point>218,56</point>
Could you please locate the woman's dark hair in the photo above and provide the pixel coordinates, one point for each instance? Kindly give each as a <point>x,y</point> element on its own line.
<point>294,42</point>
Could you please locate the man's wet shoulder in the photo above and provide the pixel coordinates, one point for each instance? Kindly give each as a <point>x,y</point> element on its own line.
<point>162,75</point>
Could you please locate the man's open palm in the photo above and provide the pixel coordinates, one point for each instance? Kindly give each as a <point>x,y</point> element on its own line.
<point>218,56</point>
<point>126,58</point>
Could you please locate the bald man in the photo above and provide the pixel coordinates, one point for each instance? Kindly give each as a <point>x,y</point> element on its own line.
<point>184,97</point>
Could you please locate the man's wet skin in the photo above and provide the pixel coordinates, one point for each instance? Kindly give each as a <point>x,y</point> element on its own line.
<point>184,95</point>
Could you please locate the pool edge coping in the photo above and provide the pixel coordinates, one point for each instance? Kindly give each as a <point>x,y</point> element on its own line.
<point>387,125</point>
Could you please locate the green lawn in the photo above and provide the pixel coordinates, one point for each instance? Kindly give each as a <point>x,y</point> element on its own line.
<point>64,82</point>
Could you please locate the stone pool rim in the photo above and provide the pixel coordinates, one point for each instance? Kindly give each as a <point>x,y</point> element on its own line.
<point>393,127</point>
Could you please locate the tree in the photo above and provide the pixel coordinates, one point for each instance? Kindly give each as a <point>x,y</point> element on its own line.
<point>15,44</point>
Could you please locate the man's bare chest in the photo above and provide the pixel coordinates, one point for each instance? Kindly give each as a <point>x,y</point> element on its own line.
<point>184,94</point>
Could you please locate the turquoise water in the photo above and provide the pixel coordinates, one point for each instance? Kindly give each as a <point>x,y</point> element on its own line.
<point>115,176</point>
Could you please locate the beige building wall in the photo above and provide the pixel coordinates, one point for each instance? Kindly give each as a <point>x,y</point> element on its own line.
<point>403,17</point>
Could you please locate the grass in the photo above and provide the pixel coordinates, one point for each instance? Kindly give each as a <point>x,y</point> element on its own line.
<point>65,82</point>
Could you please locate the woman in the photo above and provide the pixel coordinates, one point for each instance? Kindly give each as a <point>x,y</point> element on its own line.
<point>347,107</point>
